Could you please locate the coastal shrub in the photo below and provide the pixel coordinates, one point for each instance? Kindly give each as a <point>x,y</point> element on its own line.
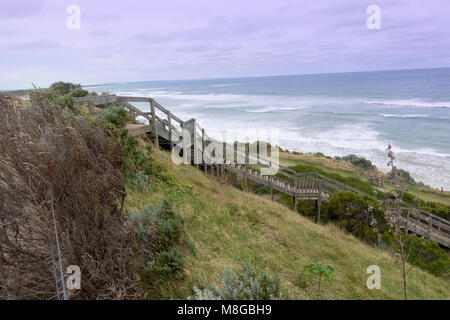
<point>425,254</point>
<point>359,162</point>
<point>159,231</point>
<point>59,93</point>
<point>63,88</point>
<point>244,284</point>
<point>318,154</point>
<point>356,214</point>
<point>114,115</point>
<point>404,176</point>
<point>167,264</point>
<point>139,165</point>
<point>55,163</point>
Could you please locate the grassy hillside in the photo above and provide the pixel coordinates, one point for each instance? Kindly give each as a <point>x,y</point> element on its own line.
<point>227,227</point>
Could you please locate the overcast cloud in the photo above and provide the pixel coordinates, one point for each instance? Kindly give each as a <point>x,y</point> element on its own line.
<point>133,40</point>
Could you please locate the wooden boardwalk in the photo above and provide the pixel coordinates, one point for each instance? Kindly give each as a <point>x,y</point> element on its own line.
<point>162,125</point>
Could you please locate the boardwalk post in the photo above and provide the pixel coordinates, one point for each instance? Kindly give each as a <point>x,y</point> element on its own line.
<point>91,107</point>
<point>155,127</point>
<point>295,193</point>
<point>224,154</point>
<point>190,127</point>
<point>319,201</point>
<point>246,170</point>
<point>205,168</point>
<point>430,224</point>
<point>271,187</point>
<point>407,222</point>
<point>197,154</point>
<point>169,122</point>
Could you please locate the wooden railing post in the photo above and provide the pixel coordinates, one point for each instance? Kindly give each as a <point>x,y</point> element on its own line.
<point>224,155</point>
<point>246,170</point>
<point>169,121</point>
<point>430,224</point>
<point>271,187</point>
<point>295,193</point>
<point>196,152</point>
<point>190,126</point>
<point>205,168</point>
<point>319,200</point>
<point>155,126</point>
<point>407,221</point>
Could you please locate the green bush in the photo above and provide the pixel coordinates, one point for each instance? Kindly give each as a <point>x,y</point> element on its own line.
<point>114,115</point>
<point>167,264</point>
<point>59,93</point>
<point>404,177</point>
<point>139,165</point>
<point>167,223</point>
<point>359,162</point>
<point>244,284</point>
<point>432,258</point>
<point>318,154</point>
<point>63,88</point>
<point>356,214</point>
<point>159,230</point>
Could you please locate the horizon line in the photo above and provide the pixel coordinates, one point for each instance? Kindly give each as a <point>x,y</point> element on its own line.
<point>241,77</point>
<point>259,76</point>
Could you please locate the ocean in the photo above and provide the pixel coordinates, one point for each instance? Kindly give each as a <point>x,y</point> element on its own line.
<point>336,114</point>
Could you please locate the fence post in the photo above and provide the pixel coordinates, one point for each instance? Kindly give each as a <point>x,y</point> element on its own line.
<point>205,168</point>
<point>190,127</point>
<point>155,127</point>
<point>246,170</point>
<point>295,193</point>
<point>271,187</point>
<point>224,154</point>
<point>169,120</point>
<point>319,201</point>
<point>430,225</point>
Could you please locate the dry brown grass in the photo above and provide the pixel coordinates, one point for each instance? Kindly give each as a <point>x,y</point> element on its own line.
<point>49,158</point>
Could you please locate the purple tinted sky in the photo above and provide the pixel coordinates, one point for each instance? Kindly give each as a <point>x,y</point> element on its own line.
<point>179,39</point>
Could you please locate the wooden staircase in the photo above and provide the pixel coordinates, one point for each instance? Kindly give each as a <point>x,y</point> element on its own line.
<point>162,126</point>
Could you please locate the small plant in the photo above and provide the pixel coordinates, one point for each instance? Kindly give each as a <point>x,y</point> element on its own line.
<point>245,284</point>
<point>325,272</point>
<point>168,263</point>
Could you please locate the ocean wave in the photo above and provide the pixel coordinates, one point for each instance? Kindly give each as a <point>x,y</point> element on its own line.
<point>219,85</point>
<point>404,115</point>
<point>274,109</point>
<point>411,103</point>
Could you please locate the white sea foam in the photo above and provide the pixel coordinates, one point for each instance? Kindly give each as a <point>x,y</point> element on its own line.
<point>274,109</point>
<point>404,115</point>
<point>219,85</point>
<point>411,103</point>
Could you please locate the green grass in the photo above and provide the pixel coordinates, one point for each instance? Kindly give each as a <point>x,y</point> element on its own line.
<point>227,227</point>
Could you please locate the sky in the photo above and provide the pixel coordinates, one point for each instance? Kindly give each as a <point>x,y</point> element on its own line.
<point>136,40</point>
